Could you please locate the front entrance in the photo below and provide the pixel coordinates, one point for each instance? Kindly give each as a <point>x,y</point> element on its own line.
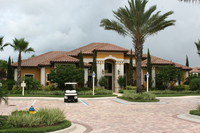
<point>109,82</point>
<point>109,74</point>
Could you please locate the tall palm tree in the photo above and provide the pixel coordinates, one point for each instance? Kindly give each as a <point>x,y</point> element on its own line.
<point>20,45</point>
<point>198,47</point>
<point>1,44</point>
<point>135,22</point>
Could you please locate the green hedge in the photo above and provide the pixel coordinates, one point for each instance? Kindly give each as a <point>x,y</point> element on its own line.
<point>195,112</point>
<point>139,97</point>
<point>59,126</point>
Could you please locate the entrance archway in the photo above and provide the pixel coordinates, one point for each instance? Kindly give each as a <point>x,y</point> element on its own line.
<point>109,74</point>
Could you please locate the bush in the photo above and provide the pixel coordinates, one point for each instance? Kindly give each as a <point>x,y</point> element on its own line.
<point>130,87</point>
<point>31,83</point>
<point>49,88</point>
<point>121,91</point>
<point>84,89</point>
<point>85,92</point>
<point>194,112</point>
<point>181,88</point>
<point>8,84</point>
<point>122,81</point>
<point>101,91</point>
<point>44,117</point>
<point>138,96</point>
<point>195,84</point>
<point>102,81</point>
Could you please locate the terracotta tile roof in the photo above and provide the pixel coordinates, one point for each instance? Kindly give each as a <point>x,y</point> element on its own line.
<point>41,60</point>
<point>182,67</point>
<point>65,59</point>
<point>159,61</point>
<point>195,70</point>
<point>88,49</point>
<point>156,61</point>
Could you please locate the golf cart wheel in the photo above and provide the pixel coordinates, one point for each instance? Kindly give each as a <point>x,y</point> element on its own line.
<point>76,100</point>
<point>65,100</point>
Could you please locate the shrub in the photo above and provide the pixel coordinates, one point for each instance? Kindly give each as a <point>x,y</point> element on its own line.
<point>84,89</point>
<point>102,81</point>
<point>138,96</point>
<point>101,91</point>
<point>31,83</point>
<point>130,87</point>
<point>44,117</point>
<point>122,81</point>
<point>8,84</point>
<point>195,84</point>
<point>85,92</point>
<point>49,87</point>
<point>195,112</point>
<point>181,88</point>
<point>121,91</point>
<point>198,108</point>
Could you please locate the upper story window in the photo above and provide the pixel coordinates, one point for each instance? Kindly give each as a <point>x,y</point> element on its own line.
<point>108,67</point>
<point>28,75</point>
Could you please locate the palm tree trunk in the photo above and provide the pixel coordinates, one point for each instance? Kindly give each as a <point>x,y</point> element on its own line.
<point>138,44</point>
<point>19,71</point>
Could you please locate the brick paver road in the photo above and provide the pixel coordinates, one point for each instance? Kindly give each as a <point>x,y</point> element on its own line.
<point>110,116</point>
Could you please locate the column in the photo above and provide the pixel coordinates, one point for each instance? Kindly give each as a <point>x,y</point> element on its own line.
<point>154,76</point>
<point>100,68</point>
<point>85,76</point>
<point>119,71</point>
<point>42,76</point>
<point>15,74</point>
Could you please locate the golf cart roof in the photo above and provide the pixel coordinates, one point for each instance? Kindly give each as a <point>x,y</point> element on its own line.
<point>70,83</point>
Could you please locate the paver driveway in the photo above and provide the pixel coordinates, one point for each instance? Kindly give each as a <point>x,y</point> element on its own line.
<point>110,116</point>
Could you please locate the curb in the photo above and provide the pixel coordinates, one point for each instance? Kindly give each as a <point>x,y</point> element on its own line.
<point>189,117</point>
<point>74,128</point>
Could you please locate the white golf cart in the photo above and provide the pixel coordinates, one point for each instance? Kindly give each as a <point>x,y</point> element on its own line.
<point>70,93</point>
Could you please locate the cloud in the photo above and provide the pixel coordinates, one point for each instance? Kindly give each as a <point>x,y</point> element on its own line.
<point>67,24</point>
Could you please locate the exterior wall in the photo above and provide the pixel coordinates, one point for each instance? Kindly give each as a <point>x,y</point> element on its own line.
<point>34,71</point>
<point>47,71</point>
<point>107,54</point>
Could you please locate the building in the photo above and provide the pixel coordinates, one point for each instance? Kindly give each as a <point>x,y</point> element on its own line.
<point>195,71</point>
<point>112,61</point>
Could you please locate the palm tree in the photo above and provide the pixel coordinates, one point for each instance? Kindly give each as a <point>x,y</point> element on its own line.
<point>198,47</point>
<point>20,45</point>
<point>1,44</point>
<point>135,22</point>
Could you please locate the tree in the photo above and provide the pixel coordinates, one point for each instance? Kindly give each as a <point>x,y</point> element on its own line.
<point>187,61</point>
<point>130,82</point>
<point>65,73</point>
<point>1,44</point>
<point>198,47</point>
<point>94,66</point>
<point>20,45</point>
<point>10,70</point>
<point>81,66</point>
<point>167,76</point>
<point>149,68</point>
<point>135,22</point>
<point>3,68</point>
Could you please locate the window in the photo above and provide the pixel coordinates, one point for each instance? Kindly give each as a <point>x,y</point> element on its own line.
<point>29,75</point>
<point>145,78</point>
<point>48,77</point>
<point>108,68</point>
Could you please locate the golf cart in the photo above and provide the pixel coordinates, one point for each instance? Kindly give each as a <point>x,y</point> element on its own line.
<point>70,93</point>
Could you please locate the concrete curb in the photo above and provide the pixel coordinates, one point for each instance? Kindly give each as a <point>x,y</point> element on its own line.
<point>189,117</point>
<point>74,128</point>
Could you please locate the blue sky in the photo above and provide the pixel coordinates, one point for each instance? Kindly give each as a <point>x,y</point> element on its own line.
<point>64,25</point>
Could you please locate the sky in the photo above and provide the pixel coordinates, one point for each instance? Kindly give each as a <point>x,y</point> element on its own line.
<point>63,25</point>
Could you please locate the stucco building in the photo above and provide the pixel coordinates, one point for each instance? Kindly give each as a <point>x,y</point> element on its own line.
<point>112,61</point>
